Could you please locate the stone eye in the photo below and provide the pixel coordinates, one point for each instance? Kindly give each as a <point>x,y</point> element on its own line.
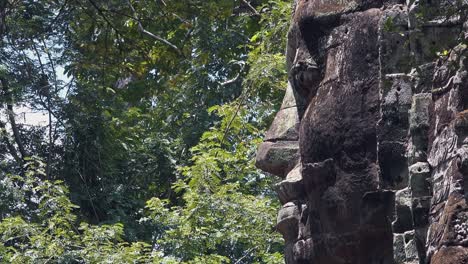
<point>306,77</point>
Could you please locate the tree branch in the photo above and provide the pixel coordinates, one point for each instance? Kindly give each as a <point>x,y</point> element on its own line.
<point>11,117</point>
<point>101,13</point>
<point>11,148</point>
<point>250,7</point>
<point>49,104</point>
<point>3,9</point>
<point>150,34</point>
<point>230,80</point>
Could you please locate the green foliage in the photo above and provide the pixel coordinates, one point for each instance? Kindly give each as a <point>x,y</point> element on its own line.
<point>228,207</point>
<point>149,158</point>
<point>267,76</point>
<point>51,234</point>
<point>138,132</point>
<point>389,25</point>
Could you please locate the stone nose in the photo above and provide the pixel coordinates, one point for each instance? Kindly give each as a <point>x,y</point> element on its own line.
<point>280,151</point>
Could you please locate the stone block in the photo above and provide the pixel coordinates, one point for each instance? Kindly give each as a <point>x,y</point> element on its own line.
<point>403,219</point>
<point>411,251</point>
<point>422,76</point>
<point>415,154</point>
<point>434,13</point>
<point>395,97</point>
<point>461,127</point>
<point>420,236</point>
<point>399,255</point>
<point>427,42</point>
<point>393,164</point>
<point>397,89</point>
<point>420,210</point>
<point>404,248</point>
<point>377,207</point>
<point>419,120</point>
<point>394,50</point>
<point>419,177</point>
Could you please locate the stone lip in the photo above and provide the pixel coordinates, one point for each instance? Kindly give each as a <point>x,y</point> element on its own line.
<point>288,221</point>
<point>292,187</point>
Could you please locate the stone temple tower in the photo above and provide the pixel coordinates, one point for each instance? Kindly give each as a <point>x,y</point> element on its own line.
<point>371,141</point>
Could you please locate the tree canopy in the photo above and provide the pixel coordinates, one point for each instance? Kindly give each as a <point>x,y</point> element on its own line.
<point>153,113</point>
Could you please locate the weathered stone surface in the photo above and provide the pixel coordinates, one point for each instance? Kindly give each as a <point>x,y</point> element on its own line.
<point>314,9</point>
<point>419,120</point>
<point>319,176</point>
<point>303,249</point>
<point>292,188</point>
<point>446,230</point>
<point>288,221</point>
<point>376,208</point>
<point>451,255</point>
<point>419,113</point>
<point>422,76</point>
<point>285,125</point>
<point>415,154</point>
<point>277,157</point>
<point>410,246</point>
<point>404,248</point>
<point>419,179</point>
<point>373,129</point>
<point>394,40</point>
<point>399,254</point>
<point>393,164</point>
<point>425,42</point>
<point>293,99</point>
<point>395,101</point>
<point>403,217</point>
<point>392,129</point>
<point>420,209</point>
<point>434,13</point>
<point>443,147</point>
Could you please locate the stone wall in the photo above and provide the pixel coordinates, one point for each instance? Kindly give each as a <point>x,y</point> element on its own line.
<point>423,79</point>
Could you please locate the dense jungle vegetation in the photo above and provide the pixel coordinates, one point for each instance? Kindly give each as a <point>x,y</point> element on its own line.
<point>154,109</point>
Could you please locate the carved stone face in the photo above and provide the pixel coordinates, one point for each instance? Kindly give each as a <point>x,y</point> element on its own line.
<point>366,140</point>
<point>323,140</point>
